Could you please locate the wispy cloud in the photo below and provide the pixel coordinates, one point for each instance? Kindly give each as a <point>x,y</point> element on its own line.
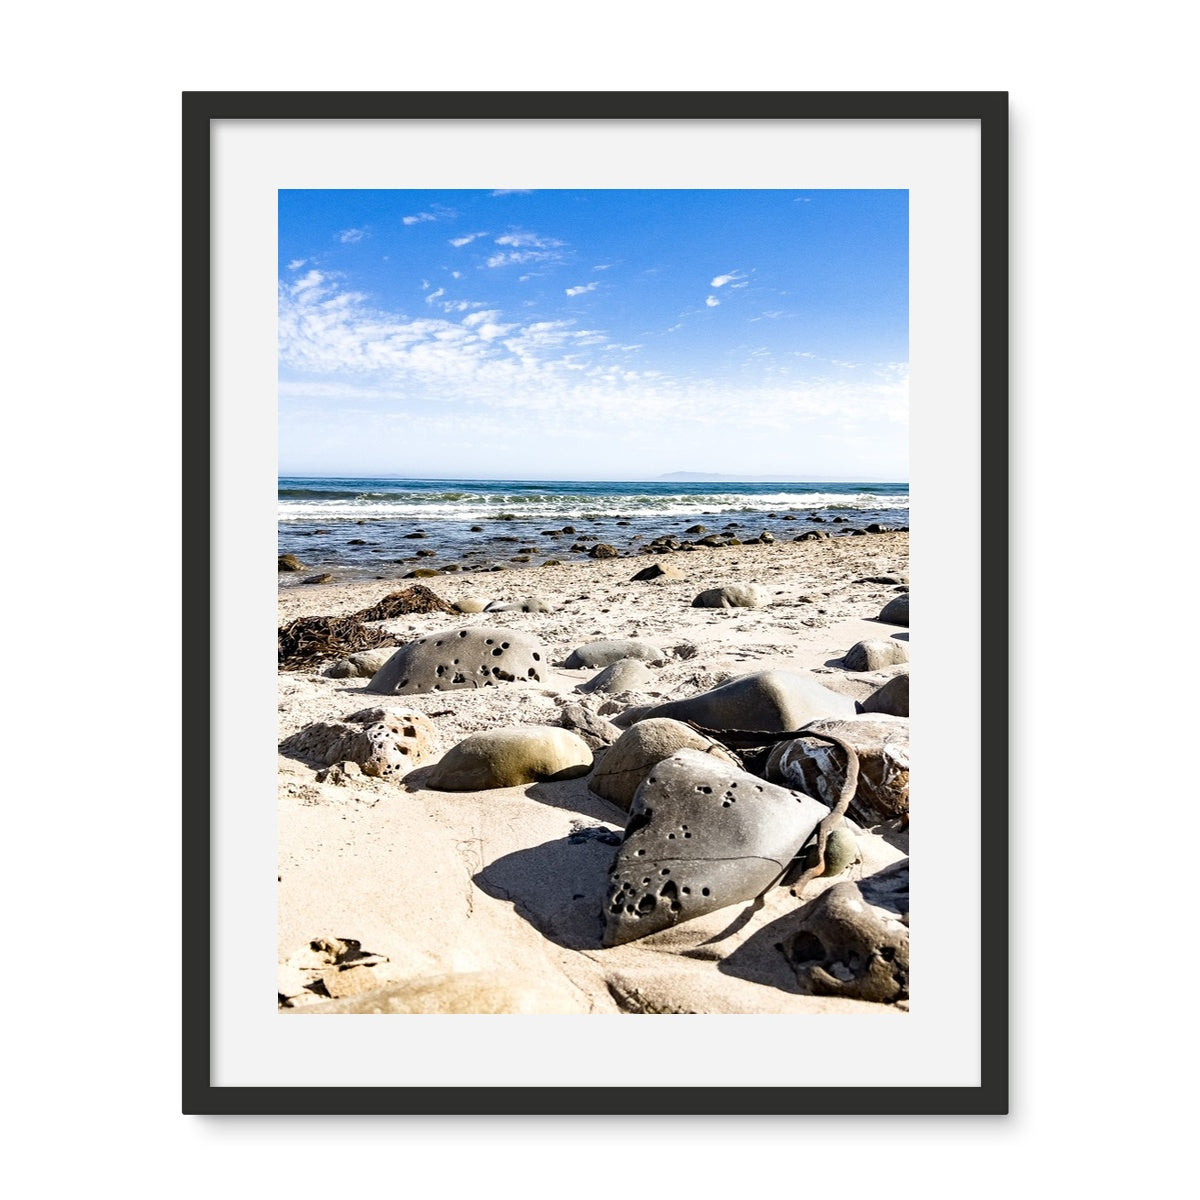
<point>296,264</point>
<point>712,301</point>
<point>435,295</point>
<point>352,235</point>
<point>520,239</point>
<point>417,218</point>
<point>586,287</point>
<point>737,278</point>
<point>467,238</point>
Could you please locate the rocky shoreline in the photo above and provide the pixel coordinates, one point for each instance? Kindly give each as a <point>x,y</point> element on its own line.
<point>626,785</point>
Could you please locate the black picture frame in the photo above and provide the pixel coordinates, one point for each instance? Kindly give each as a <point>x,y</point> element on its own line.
<point>199,111</point>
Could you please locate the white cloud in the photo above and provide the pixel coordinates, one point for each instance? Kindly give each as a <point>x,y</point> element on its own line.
<point>313,279</point>
<point>434,295</point>
<point>417,218</point>
<point>519,239</point>
<point>513,192</point>
<point>466,239</point>
<point>722,280</point>
<point>586,287</point>
<point>296,264</point>
<point>352,235</point>
<point>712,302</point>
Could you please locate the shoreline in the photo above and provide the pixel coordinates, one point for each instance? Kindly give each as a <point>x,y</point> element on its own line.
<point>466,887</point>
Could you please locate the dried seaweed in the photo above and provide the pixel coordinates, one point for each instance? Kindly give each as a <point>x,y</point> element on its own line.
<point>415,599</point>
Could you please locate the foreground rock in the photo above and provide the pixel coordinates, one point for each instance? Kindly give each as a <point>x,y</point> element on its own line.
<point>733,595</point>
<point>460,658</point>
<point>639,750</point>
<point>625,675</point>
<point>386,743</point>
<point>818,768</point>
<point>499,758</point>
<point>892,698</point>
<point>701,836</point>
<point>895,612</point>
<point>767,701</point>
<point>875,654</point>
<point>595,730</point>
<point>605,653</point>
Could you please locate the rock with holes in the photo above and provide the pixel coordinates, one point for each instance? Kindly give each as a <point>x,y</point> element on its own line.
<point>625,675</point>
<point>639,750</point>
<point>818,768</point>
<point>771,701</point>
<point>386,743</point>
<point>362,665</point>
<point>875,654</point>
<point>605,653</point>
<point>844,945</point>
<point>732,595</point>
<point>895,612</point>
<point>500,758</point>
<point>701,835</point>
<point>529,604</point>
<point>892,698</point>
<point>461,658</point>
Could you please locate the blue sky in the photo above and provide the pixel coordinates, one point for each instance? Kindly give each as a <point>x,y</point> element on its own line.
<point>594,334</point>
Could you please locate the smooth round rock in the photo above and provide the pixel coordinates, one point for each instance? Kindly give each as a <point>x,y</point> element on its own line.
<point>771,701</point>
<point>469,604</point>
<point>732,595</point>
<point>605,653</point>
<point>895,612</point>
<point>875,654</point>
<point>892,698</point>
<point>461,658</point>
<point>498,758</point>
<point>625,675</point>
<point>841,849</point>
<point>639,750</point>
<point>701,835</point>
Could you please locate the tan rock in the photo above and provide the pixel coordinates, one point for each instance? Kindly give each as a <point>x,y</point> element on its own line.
<point>498,758</point>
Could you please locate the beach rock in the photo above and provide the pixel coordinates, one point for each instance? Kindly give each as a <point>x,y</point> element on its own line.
<point>696,529</point>
<point>895,612</point>
<point>771,701</point>
<point>892,698</point>
<point>530,604</point>
<point>875,527</point>
<point>625,675</point>
<point>701,835</point>
<point>605,653</point>
<point>593,729</point>
<point>813,535</point>
<point>657,571</point>
<point>637,751</point>
<point>289,562</point>
<point>461,658</point>
<point>713,540</point>
<point>421,573</point>
<point>480,992</point>
<point>818,768</point>
<point>766,538</point>
<point>843,946</point>
<point>603,550</point>
<point>469,604</point>
<point>384,742</point>
<point>875,654</point>
<point>498,758</point>
<point>362,665</point>
<point>324,577</point>
<point>732,595</point>
<point>841,849</point>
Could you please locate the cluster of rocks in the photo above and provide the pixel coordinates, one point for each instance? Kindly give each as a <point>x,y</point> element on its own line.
<point>724,795</point>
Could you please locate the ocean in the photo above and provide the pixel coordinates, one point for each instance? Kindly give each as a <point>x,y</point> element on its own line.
<point>356,529</point>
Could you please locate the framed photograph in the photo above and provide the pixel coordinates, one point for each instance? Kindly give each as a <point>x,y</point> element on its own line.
<point>598,440</point>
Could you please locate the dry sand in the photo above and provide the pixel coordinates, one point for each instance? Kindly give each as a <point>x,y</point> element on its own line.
<point>490,901</point>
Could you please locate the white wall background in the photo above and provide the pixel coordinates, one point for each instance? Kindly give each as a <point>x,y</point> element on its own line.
<point>1104,313</point>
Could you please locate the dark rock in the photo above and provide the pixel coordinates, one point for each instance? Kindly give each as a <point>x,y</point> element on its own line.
<point>701,835</point>
<point>696,529</point>
<point>593,729</point>
<point>421,573</point>
<point>658,571</point>
<point>461,658</point>
<point>418,534</point>
<point>892,698</point>
<point>813,535</point>
<point>325,577</point>
<point>289,562</point>
<point>875,527</point>
<point>895,612</point>
<point>603,550</point>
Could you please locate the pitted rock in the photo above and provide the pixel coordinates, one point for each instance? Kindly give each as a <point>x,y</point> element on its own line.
<point>498,758</point>
<point>385,742</point>
<point>773,701</point>
<point>605,653</point>
<point>461,658</point>
<point>701,835</point>
<point>818,768</point>
<point>640,749</point>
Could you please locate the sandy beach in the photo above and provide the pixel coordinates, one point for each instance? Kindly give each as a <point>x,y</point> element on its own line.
<point>395,896</point>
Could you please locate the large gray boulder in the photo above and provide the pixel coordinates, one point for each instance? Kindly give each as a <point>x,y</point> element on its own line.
<point>461,658</point>
<point>625,675</point>
<point>892,698</point>
<point>701,835</point>
<point>500,758</point>
<point>771,701</point>
<point>895,612</point>
<point>605,653</point>
<point>875,654</point>
<point>639,750</point>
<point>818,767</point>
<point>732,595</point>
